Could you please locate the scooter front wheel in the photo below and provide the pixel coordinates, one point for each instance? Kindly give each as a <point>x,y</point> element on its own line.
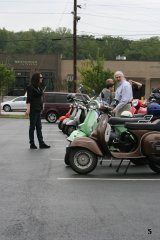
<point>82,160</point>
<point>60,125</point>
<point>70,129</point>
<point>139,161</point>
<point>154,163</point>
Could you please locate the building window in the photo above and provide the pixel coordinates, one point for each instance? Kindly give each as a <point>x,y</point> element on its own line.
<point>48,80</point>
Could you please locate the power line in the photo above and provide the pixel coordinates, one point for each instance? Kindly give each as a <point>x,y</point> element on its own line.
<point>122,6</point>
<point>39,13</point>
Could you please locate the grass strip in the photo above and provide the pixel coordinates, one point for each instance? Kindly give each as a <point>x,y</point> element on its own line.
<point>13,116</point>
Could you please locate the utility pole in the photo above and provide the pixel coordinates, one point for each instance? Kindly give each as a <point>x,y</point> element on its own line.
<point>75,20</point>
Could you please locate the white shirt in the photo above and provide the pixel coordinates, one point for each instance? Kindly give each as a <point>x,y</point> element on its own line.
<point>123,94</point>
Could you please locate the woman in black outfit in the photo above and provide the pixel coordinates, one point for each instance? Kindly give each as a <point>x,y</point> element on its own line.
<point>34,108</point>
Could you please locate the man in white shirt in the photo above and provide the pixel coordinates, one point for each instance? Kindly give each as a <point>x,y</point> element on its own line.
<point>123,94</point>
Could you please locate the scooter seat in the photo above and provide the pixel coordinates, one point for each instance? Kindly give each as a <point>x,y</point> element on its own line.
<point>122,120</point>
<point>154,126</point>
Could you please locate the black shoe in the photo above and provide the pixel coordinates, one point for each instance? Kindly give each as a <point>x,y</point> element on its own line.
<point>43,145</point>
<point>33,146</point>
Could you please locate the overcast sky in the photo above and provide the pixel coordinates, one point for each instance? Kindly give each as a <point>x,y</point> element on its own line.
<point>126,18</point>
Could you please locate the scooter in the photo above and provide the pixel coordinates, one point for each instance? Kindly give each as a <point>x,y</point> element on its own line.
<point>82,110</point>
<point>140,141</point>
<point>71,117</point>
<point>138,107</point>
<point>81,113</point>
<point>67,115</point>
<point>78,114</point>
<point>90,122</point>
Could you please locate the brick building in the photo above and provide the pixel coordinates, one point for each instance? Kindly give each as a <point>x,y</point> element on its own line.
<point>25,65</point>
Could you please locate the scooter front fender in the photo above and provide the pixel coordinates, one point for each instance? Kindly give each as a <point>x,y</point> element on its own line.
<point>88,143</point>
<point>61,118</point>
<point>72,123</point>
<point>76,134</point>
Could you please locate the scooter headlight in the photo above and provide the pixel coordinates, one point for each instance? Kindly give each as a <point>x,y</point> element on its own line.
<point>135,102</point>
<point>94,104</point>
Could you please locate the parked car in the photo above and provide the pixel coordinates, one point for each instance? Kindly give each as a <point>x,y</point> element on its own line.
<point>18,103</point>
<point>55,104</point>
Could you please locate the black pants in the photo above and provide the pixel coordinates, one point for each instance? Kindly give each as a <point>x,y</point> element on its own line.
<point>35,122</point>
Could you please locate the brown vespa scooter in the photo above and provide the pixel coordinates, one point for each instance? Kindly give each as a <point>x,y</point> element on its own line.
<point>140,141</point>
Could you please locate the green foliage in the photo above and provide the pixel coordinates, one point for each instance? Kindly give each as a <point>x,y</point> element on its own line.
<point>7,78</point>
<point>60,41</point>
<point>146,49</point>
<point>62,86</point>
<point>112,47</point>
<point>3,39</point>
<point>92,74</point>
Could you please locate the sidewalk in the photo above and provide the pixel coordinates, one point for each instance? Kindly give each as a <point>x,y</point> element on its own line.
<point>12,113</point>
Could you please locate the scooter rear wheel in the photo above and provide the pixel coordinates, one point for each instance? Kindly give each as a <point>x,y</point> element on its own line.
<point>154,163</point>
<point>82,160</point>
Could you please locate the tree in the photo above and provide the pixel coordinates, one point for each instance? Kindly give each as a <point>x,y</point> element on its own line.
<point>7,78</point>
<point>93,75</point>
<point>145,49</point>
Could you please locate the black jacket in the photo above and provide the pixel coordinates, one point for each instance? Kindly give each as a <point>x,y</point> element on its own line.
<point>34,97</point>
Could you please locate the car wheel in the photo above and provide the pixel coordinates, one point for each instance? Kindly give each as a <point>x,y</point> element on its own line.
<point>51,117</point>
<point>7,108</point>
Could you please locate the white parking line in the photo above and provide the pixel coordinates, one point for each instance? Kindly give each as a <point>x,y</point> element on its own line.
<point>109,179</point>
<point>58,159</point>
<point>50,130</point>
<point>50,134</point>
<point>54,140</point>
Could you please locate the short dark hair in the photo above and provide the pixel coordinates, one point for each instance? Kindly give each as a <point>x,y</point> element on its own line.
<point>35,79</point>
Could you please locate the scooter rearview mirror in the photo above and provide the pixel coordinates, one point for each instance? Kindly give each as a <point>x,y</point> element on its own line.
<point>102,95</point>
<point>93,92</point>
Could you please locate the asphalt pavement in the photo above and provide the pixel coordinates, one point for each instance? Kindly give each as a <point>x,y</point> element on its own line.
<point>42,199</point>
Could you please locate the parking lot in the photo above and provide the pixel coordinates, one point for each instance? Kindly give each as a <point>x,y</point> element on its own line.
<point>42,199</point>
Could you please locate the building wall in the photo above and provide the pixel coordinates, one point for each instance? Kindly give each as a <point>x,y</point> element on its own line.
<point>59,71</point>
<point>146,72</point>
<point>25,65</point>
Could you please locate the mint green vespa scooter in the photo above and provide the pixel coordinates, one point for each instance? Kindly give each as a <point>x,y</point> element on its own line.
<point>90,122</point>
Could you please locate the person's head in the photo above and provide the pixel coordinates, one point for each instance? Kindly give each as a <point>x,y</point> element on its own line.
<point>109,83</point>
<point>119,76</point>
<point>36,79</point>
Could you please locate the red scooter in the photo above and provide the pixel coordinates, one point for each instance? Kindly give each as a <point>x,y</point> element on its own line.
<point>67,115</point>
<point>138,106</point>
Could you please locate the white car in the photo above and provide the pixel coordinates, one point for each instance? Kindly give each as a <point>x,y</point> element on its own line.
<point>18,103</point>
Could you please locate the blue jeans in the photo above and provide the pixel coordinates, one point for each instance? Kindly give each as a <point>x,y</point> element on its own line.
<point>35,123</point>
